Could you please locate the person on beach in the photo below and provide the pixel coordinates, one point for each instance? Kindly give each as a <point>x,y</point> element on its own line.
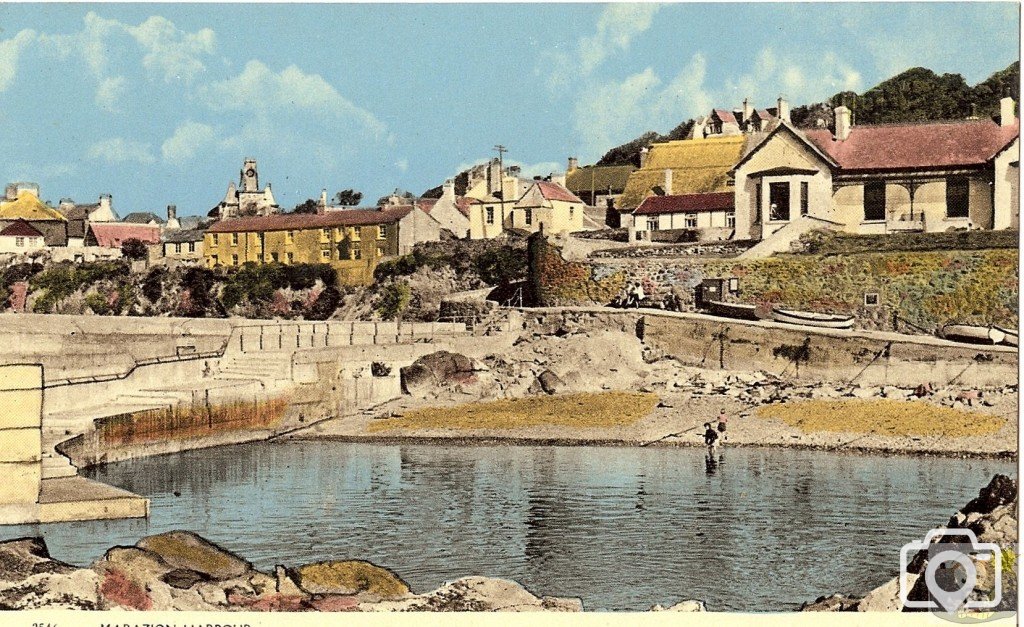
<point>638,294</point>
<point>722,420</point>
<point>710,438</point>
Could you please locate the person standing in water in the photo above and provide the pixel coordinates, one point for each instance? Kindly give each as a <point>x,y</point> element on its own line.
<point>710,438</point>
<point>722,420</point>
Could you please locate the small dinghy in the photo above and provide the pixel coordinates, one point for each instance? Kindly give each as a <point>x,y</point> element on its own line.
<point>1011,336</point>
<point>741,311</point>
<point>974,334</point>
<point>812,319</point>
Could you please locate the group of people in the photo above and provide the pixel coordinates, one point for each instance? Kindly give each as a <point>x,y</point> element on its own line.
<point>713,434</point>
<point>632,295</point>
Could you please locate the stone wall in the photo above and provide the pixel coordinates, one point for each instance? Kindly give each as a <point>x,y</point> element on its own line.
<point>928,289</point>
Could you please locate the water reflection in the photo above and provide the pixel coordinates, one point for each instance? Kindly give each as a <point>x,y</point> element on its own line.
<point>623,528</point>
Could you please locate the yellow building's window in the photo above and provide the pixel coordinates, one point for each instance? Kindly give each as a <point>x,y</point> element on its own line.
<point>490,215</point>
<point>234,239</point>
<point>357,253</point>
<point>215,241</point>
<point>234,260</point>
<point>357,232</point>
<point>325,235</point>
<point>382,231</point>
<point>274,257</point>
<point>380,251</point>
<point>325,254</point>
<point>289,237</point>
<point>290,257</point>
<point>214,260</point>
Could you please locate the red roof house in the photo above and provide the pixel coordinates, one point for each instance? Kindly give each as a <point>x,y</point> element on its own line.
<point>114,234</point>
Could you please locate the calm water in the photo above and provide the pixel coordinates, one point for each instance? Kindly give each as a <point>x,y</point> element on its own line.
<point>622,528</point>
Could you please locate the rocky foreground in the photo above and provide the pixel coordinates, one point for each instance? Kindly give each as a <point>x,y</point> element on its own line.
<point>992,517</point>
<point>179,570</point>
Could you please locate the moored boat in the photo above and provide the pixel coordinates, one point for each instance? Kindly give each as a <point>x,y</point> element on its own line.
<point>973,334</point>
<point>813,319</point>
<point>742,311</point>
<point>1011,336</point>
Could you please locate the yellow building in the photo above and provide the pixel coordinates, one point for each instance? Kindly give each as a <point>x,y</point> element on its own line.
<point>549,204</point>
<point>21,202</point>
<point>351,241</point>
<point>879,179</point>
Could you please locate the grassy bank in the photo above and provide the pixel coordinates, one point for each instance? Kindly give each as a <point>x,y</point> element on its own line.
<point>882,417</point>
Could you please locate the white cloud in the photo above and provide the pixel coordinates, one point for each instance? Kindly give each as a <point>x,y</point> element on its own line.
<point>10,53</point>
<point>617,26</point>
<point>610,113</point>
<point>120,150</point>
<point>111,92</point>
<point>187,141</point>
<point>402,165</point>
<point>260,89</point>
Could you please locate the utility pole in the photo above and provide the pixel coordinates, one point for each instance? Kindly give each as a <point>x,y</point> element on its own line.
<point>500,148</point>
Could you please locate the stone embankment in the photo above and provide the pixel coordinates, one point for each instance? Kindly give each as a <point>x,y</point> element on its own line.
<point>992,517</point>
<point>179,570</point>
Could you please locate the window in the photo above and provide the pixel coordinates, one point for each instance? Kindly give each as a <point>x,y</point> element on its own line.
<point>804,201</point>
<point>234,239</point>
<point>357,253</point>
<point>778,196</point>
<point>652,224</point>
<point>357,232</point>
<point>690,221</point>
<point>177,248</point>
<point>214,261</point>
<point>380,251</point>
<point>19,241</point>
<point>289,237</point>
<point>234,260</point>
<point>325,234</point>
<point>528,215</point>
<point>274,257</point>
<point>572,211</point>
<point>382,231</point>
<point>958,197</point>
<point>490,215</point>
<point>874,201</point>
<point>325,254</point>
<point>871,299</point>
<point>215,242</point>
<point>191,247</point>
<point>730,220</point>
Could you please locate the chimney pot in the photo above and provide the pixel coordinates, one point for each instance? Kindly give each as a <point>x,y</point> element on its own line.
<point>783,109</point>
<point>668,181</point>
<point>842,123</point>
<point>1006,112</point>
<point>643,156</point>
<point>573,165</point>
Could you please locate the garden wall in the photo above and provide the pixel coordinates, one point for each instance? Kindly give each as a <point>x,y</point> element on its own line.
<point>928,289</point>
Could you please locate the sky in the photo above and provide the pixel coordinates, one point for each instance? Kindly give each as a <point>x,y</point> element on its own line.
<point>159,104</point>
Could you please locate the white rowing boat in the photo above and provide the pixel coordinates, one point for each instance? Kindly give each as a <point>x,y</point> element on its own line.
<point>813,319</point>
<point>973,334</point>
<point>1011,335</point>
<point>742,311</point>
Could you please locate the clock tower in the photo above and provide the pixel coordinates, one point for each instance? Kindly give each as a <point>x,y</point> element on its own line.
<point>249,180</point>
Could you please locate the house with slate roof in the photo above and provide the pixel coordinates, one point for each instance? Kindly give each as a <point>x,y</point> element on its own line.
<point>597,185</point>
<point>21,202</point>
<point>20,237</point>
<point>924,177</point>
<point>80,215</point>
<point>711,216</point>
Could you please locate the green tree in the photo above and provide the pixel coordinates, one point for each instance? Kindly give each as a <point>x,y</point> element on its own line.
<point>394,298</point>
<point>348,197</point>
<point>134,249</point>
<point>307,206</point>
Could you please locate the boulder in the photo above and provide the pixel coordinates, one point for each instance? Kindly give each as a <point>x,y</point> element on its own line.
<point>77,589</point>
<point>351,577</point>
<point>183,579</point>
<point>27,556</point>
<point>285,584</point>
<point>831,603</point>
<point>682,606</point>
<point>550,382</point>
<point>478,594</point>
<point>438,369</point>
<point>186,550</point>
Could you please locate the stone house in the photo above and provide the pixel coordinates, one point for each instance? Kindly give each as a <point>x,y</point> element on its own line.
<point>352,241</point>
<point>183,245</point>
<point>80,215</point>
<point>451,211</point>
<point>143,217</point>
<point>114,234</point>
<point>712,216</point>
<point>21,202</point>
<point>548,205</point>
<point>924,177</point>
<point>20,237</point>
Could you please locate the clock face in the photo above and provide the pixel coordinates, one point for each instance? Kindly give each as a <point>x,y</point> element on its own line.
<point>250,172</point>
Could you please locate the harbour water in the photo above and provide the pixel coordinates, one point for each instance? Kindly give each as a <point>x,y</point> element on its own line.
<point>621,528</point>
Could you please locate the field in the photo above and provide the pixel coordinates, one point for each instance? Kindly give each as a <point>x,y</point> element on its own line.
<point>882,417</point>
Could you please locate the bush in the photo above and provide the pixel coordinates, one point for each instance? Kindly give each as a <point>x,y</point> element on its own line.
<point>501,266</point>
<point>153,284</point>
<point>394,298</point>
<point>325,304</point>
<point>134,249</point>
<point>64,279</point>
<point>198,281</point>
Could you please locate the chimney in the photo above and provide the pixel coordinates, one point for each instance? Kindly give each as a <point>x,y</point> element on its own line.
<point>783,110</point>
<point>842,123</point>
<point>643,156</point>
<point>448,189</point>
<point>1006,112</point>
<point>11,192</point>
<point>668,182</point>
<point>748,111</point>
<point>573,165</point>
<point>172,213</point>
<point>105,201</point>
<point>321,207</point>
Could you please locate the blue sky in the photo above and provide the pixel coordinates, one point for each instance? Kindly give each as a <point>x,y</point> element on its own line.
<point>158,104</point>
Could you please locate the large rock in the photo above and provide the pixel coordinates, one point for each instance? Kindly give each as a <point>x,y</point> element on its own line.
<point>484,594</point>
<point>186,550</point>
<point>550,382</point>
<point>351,577</point>
<point>24,557</point>
<point>439,369</point>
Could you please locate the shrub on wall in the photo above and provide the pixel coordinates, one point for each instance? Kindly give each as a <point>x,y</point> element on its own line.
<point>553,281</point>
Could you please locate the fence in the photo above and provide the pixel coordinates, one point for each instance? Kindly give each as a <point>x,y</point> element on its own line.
<point>292,336</point>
